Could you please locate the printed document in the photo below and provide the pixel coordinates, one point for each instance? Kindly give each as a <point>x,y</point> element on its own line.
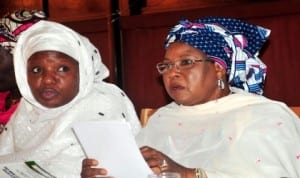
<point>113,145</point>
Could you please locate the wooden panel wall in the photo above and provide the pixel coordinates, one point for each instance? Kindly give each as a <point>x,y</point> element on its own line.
<point>91,18</point>
<point>72,10</point>
<point>7,6</point>
<point>97,30</point>
<point>61,10</point>
<point>143,37</point>
<point>154,6</point>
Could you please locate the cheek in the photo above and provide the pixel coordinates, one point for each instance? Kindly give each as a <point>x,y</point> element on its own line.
<point>166,81</point>
<point>34,88</point>
<point>32,81</point>
<point>77,80</point>
<point>195,80</point>
<point>75,83</point>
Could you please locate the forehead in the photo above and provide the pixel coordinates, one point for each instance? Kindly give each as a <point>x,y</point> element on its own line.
<point>179,49</point>
<point>51,55</point>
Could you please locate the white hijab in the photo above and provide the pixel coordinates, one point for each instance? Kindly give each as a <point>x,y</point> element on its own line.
<point>53,36</point>
<point>41,134</point>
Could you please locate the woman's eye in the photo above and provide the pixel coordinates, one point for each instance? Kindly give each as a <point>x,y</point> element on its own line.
<point>185,62</point>
<point>169,65</point>
<point>36,70</point>
<point>63,69</point>
<point>163,67</point>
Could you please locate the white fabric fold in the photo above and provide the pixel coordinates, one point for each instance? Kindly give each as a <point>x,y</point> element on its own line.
<point>238,136</point>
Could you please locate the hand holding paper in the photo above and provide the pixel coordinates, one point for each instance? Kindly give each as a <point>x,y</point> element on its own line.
<point>113,145</point>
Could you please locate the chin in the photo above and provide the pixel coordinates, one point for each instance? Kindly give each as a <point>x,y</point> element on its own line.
<point>186,103</point>
<point>51,105</point>
<point>181,102</point>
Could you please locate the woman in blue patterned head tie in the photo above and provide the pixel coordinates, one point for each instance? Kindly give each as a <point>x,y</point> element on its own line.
<point>219,124</point>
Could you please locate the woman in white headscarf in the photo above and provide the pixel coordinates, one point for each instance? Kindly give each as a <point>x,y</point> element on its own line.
<point>43,134</point>
<point>11,27</point>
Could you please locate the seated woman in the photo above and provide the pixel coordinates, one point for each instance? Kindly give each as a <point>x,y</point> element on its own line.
<point>11,27</point>
<point>219,125</point>
<point>60,76</point>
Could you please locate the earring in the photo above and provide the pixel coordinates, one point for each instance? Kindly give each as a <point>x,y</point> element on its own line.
<point>221,84</point>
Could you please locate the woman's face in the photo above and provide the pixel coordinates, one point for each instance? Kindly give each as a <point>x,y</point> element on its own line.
<point>7,75</point>
<point>53,78</point>
<point>196,84</point>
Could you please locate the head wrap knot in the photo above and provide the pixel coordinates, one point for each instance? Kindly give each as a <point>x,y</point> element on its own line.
<point>232,43</point>
<point>12,25</point>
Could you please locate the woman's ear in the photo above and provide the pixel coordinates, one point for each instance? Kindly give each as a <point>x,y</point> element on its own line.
<point>221,72</point>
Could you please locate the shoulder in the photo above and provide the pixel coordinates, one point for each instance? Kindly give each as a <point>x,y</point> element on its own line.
<point>109,90</point>
<point>113,91</point>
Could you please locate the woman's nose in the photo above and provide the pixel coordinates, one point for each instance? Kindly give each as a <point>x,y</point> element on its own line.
<point>49,78</point>
<point>173,73</point>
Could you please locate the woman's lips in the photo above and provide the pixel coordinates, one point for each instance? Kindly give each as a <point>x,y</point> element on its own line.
<point>49,93</point>
<point>176,87</point>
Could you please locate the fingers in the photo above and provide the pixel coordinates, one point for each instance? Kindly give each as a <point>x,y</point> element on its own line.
<point>149,152</point>
<point>89,171</point>
<point>155,159</point>
<point>153,162</point>
<point>158,165</point>
<point>160,162</point>
<point>87,162</point>
<point>145,148</point>
<point>152,156</point>
<point>156,170</point>
<point>164,166</point>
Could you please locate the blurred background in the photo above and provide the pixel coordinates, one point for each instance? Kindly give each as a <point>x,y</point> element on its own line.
<point>130,35</point>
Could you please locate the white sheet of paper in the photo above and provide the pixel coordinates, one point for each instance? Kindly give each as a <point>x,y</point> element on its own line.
<point>114,146</point>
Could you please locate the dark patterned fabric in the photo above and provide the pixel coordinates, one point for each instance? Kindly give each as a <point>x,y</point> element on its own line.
<point>12,25</point>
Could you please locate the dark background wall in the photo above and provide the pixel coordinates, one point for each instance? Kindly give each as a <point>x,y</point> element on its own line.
<point>143,39</point>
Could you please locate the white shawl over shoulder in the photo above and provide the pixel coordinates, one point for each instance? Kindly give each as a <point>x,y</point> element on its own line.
<point>239,136</point>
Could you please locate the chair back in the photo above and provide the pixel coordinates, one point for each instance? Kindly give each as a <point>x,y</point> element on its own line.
<point>296,109</point>
<point>147,112</point>
<point>145,115</point>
